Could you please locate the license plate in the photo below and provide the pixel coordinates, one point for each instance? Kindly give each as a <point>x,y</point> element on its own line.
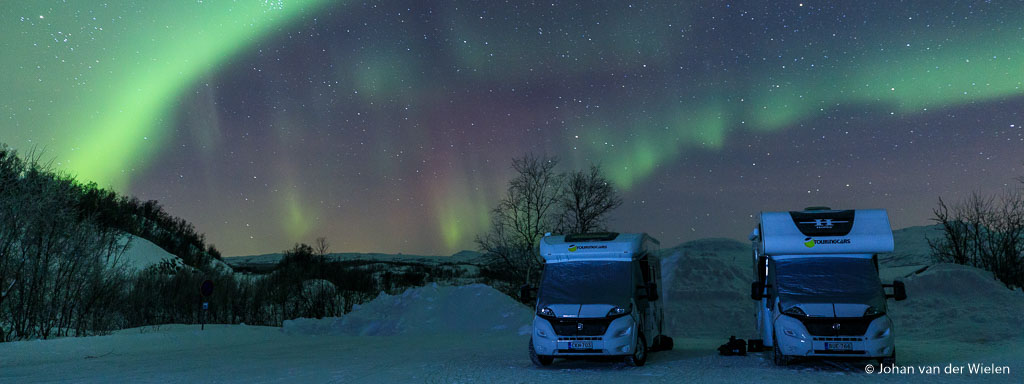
<point>581,345</point>
<point>839,346</point>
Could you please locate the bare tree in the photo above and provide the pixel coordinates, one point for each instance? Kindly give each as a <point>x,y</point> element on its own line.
<point>59,265</point>
<point>953,247</point>
<point>527,211</point>
<point>984,232</point>
<point>586,200</point>
<point>541,200</point>
<point>322,297</point>
<point>322,246</point>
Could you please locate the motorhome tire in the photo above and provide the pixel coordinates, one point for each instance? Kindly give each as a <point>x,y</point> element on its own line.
<point>777,357</point>
<point>639,356</point>
<point>539,360</point>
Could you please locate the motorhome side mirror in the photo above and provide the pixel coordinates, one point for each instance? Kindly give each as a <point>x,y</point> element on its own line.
<point>755,290</point>
<point>899,290</point>
<point>652,291</point>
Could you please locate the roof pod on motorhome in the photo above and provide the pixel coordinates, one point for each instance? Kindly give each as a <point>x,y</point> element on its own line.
<point>822,232</point>
<point>608,246</point>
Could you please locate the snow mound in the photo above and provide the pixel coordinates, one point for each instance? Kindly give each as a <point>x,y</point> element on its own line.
<point>433,309</point>
<point>950,301</point>
<point>705,284</point>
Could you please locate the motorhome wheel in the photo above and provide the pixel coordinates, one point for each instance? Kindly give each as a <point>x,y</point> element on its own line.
<point>639,356</point>
<point>539,360</point>
<point>777,357</point>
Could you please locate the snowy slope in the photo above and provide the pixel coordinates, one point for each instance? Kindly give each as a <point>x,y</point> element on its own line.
<point>912,246</point>
<point>142,253</point>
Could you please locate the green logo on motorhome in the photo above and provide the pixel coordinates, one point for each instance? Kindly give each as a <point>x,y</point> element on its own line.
<point>572,248</point>
<point>809,243</point>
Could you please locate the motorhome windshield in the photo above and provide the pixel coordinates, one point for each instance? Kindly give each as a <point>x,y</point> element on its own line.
<point>829,279</point>
<point>587,282</point>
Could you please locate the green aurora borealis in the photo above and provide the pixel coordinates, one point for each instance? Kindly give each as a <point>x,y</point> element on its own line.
<point>388,126</point>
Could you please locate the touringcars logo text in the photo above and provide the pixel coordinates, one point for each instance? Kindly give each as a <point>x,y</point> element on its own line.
<point>810,243</point>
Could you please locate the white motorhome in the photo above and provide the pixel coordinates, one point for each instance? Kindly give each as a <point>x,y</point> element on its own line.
<point>817,287</point>
<point>598,296</point>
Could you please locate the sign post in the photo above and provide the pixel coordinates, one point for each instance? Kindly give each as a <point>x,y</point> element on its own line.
<point>206,289</point>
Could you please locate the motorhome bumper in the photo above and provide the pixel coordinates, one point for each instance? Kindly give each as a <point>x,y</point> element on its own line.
<point>617,340</point>
<point>795,340</point>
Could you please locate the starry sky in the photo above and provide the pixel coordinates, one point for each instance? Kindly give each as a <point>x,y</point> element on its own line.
<point>388,126</point>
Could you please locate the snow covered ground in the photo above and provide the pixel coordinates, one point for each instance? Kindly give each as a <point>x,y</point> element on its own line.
<point>264,355</point>
<point>955,316</point>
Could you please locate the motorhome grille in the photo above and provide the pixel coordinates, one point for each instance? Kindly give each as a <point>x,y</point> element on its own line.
<point>580,327</point>
<point>838,339</point>
<point>579,338</point>
<point>837,326</point>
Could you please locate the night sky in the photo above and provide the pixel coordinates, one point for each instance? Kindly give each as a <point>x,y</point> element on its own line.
<point>389,126</point>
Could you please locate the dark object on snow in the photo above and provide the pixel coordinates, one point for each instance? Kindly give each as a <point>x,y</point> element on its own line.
<point>662,343</point>
<point>735,347</point>
<point>526,294</point>
<point>755,345</point>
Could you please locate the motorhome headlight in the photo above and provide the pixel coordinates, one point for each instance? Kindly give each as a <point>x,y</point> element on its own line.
<point>617,311</point>
<point>794,311</point>
<point>872,311</point>
<point>546,312</point>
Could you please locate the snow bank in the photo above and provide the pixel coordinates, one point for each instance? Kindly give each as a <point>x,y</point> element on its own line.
<point>957,302</point>
<point>432,309</point>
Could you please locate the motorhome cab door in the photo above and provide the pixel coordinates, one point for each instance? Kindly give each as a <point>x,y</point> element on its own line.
<point>647,295</point>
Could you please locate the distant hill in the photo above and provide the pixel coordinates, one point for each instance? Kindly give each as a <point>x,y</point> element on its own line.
<point>267,262</point>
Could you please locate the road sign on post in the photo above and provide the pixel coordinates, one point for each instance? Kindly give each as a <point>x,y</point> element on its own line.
<point>206,289</point>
